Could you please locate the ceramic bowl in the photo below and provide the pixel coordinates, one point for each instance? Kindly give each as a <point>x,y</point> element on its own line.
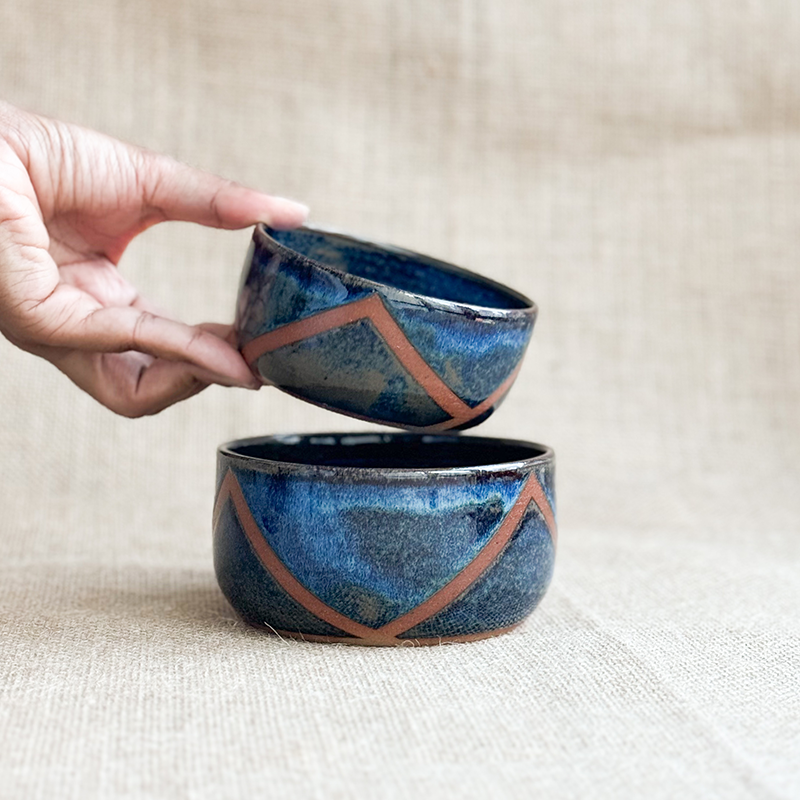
<point>384,539</point>
<point>376,332</point>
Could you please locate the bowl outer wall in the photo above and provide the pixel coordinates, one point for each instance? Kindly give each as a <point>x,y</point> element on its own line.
<point>374,544</point>
<point>423,363</point>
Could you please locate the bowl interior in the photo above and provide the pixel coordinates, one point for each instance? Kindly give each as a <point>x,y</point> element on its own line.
<point>398,268</point>
<point>387,451</point>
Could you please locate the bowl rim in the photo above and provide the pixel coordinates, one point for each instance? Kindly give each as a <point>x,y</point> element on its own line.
<point>529,309</point>
<point>546,456</point>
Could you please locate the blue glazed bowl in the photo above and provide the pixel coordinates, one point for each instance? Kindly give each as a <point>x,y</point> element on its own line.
<point>384,539</point>
<point>376,332</point>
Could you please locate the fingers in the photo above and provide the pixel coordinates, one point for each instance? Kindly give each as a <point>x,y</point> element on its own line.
<point>121,329</point>
<point>180,192</point>
<point>70,319</point>
<point>224,332</point>
<point>87,311</point>
<point>131,384</point>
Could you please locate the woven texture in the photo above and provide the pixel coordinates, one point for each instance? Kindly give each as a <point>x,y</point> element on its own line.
<point>633,166</point>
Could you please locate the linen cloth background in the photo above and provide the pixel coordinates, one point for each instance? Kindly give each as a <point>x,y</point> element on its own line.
<point>632,165</point>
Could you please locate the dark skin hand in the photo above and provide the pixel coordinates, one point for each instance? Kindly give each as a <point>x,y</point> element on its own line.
<point>71,200</point>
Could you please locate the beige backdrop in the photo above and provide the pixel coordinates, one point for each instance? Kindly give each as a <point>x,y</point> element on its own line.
<point>634,166</point>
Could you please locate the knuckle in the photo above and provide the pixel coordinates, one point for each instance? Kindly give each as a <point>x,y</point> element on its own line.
<point>139,332</point>
<point>130,406</point>
<point>197,337</point>
<point>129,410</point>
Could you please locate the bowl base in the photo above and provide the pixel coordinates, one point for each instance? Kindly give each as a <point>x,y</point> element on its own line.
<point>383,642</point>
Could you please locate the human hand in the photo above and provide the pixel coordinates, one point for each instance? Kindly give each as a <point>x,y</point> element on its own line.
<point>71,200</point>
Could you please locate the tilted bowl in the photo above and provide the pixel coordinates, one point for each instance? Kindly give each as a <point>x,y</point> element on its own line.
<point>376,332</point>
<point>384,539</point>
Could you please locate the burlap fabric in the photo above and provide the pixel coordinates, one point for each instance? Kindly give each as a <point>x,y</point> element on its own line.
<point>635,168</point>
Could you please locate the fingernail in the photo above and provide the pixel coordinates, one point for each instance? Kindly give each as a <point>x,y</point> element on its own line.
<point>300,207</point>
<point>237,383</point>
<point>240,384</point>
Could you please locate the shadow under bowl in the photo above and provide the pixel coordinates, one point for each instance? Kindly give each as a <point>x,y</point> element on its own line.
<point>377,332</point>
<point>384,539</point>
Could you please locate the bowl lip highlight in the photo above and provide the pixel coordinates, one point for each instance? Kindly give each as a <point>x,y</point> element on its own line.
<point>262,234</point>
<point>546,456</point>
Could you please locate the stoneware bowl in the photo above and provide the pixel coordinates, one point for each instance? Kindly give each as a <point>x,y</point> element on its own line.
<point>376,332</point>
<point>384,539</point>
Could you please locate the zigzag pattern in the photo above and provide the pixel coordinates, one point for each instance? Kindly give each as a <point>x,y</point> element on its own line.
<point>372,308</point>
<point>388,634</point>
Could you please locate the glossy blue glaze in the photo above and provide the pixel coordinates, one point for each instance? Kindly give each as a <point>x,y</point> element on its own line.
<point>373,526</point>
<point>470,331</point>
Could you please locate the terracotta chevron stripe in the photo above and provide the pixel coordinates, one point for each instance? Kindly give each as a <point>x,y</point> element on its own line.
<point>230,489</point>
<point>387,634</point>
<point>373,309</point>
<point>494,397</point>
<point>531,491</point>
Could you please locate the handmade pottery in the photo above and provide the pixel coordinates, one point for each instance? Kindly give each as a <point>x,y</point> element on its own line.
<point>376,332</point>
<point>384,539</point>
